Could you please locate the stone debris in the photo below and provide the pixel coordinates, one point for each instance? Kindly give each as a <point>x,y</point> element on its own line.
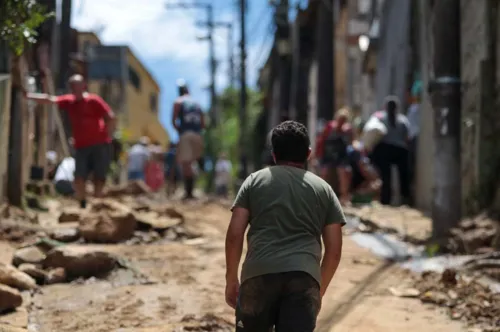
<point>69,216</point>
<point>56,276</point>
<point>66,234</point>
<point>108,227</point>
<point>477,235</point>
<point>33,271</point>
<point>80,262</point>
<point>465,298</point>
<point>31,255</point>
<point>208,322</point>
<point>10,298</point>
<point>12,277</point>
<point>132,188</point>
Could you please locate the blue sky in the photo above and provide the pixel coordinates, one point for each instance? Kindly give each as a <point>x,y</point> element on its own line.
<point>166,40</point>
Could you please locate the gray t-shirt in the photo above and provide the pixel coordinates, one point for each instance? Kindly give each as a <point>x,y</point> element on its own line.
<point>289,207</point>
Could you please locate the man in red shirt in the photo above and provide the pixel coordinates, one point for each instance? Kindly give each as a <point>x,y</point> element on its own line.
<point>92,122</point>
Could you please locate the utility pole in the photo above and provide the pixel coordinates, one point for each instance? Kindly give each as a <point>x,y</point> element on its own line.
<point>230,55</point>
<point>243,90</point>
<point>325,60</point>
<point>284,51</point>
<point>213,62</point>
<point>445,93</point>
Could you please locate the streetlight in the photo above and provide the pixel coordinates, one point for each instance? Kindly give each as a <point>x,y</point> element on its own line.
<point>363,43</point>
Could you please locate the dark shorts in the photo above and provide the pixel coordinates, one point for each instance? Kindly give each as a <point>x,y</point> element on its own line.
<point>288,301</point>
<point>95,160</point>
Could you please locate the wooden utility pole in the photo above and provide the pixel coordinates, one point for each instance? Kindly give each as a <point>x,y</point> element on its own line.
<point>213,62</point>
<point>243,90</point>
<point>284,51</point>
<point>230,54</point>
<point>325,94</point>
<point>446,102</point>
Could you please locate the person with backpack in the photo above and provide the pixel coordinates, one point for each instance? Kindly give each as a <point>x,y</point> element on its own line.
<point>188,120</point>
<point>331,149</point>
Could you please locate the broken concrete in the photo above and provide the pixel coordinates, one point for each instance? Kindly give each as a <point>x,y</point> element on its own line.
<point>30,255</point>
<point>10,298</point>
<point>69,216</point>
<point>110,227</point>
<point>80,262</point>
<point>66,235</point>
<point>33,271</point>
<point>12,277</point>
<point>56,276</point>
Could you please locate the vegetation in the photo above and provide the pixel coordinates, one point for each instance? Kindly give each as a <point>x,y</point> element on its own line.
<point>19,20</point>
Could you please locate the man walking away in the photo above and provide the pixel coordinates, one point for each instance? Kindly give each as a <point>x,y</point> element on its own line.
<point>138,156</point>
<point>188,120</point>
<point>92,122</point>
<point>288,210</point>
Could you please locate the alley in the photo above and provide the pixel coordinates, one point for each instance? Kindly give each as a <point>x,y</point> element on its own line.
<point>178,285</point>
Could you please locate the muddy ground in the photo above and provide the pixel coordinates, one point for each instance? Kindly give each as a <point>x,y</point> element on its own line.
<point>181,288</point>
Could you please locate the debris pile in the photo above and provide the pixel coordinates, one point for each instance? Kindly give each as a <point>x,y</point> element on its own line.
<point>17,225</point>
<point>477,235</point>
<point>465,297</point>
<point>208,322</point>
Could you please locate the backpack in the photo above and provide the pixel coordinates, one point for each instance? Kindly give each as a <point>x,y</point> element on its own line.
<point>335,148</point>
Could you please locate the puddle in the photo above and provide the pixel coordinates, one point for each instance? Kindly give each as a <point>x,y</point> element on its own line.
<point>409,256</point>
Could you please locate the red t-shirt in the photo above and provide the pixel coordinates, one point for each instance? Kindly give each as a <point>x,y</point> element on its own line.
<point>87,119</point>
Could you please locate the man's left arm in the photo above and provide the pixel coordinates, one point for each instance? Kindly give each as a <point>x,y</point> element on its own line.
<point>107,113</point>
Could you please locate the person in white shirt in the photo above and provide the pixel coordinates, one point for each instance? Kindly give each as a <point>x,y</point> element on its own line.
<point>64,177</point>
<point>138,157</point>
<point>223,169</point>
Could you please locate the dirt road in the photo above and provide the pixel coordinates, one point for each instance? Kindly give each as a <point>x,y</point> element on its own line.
<point>182,289</point>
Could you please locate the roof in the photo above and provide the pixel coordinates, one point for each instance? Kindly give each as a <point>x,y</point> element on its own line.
<point>91,33</point>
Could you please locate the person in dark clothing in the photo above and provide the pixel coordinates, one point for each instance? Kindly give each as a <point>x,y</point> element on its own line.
<point>287,211</point>
<point>393,150</point>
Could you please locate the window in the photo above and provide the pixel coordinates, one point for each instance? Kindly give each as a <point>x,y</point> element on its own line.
<point>134,78</point>
<point>153,102</point>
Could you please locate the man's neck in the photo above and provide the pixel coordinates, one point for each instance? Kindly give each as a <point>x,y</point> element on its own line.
<point>81,96</point>
<point>292,164</point>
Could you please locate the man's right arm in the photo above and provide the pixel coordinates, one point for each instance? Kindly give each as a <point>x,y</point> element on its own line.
<point>42,98</point>
<point>175,115</point>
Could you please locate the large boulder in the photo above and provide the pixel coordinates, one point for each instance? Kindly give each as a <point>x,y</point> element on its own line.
<point>12,277</point>
<point>29,255</point>
<point>10,298</point>
<point>108,227</point>
<point>80,262</point>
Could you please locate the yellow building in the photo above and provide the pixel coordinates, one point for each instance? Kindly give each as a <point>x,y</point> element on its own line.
<point>139,116</point>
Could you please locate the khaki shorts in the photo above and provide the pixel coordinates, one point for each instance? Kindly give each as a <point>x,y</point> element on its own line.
<point>190,147</point>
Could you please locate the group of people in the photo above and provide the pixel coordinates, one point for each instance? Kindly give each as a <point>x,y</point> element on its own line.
<point>353,168</point>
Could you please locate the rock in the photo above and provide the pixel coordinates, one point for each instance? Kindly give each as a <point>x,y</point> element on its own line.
<point>66,234</point>
<point>30,255</point>
<point>30,269</point>
<point>406,292</point>
<point>132,188</point>
<point>56,276</point>
<point>10,298</point>
<point>12,277</point>
<point>108,227</point>
<point>80,261</point>
<point>438,298</point>
<point>152,220</point>
<point>69,216</point>
<point>449,277</point>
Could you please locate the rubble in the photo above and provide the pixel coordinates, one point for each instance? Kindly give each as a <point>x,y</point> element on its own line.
<point>464,297</point>
<point>33,271</point>
<point>66,235</point>
<point>80,262</point>
<point>56,276</point>
<point>112,227</point>
<point>208,322</point>
<point>12,277</point>
<point>132,188</point>
<point>475,236</point>
<point>10,298</point>
<point>31,255</point>
<point>69,216</point>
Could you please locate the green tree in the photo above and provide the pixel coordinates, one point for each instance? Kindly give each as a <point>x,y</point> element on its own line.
<point>19,20</point>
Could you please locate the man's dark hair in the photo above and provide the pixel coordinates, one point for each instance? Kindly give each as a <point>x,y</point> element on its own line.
<point>290,142</point>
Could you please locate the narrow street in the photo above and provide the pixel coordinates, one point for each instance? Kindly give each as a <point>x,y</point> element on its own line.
<point>176,285</point>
